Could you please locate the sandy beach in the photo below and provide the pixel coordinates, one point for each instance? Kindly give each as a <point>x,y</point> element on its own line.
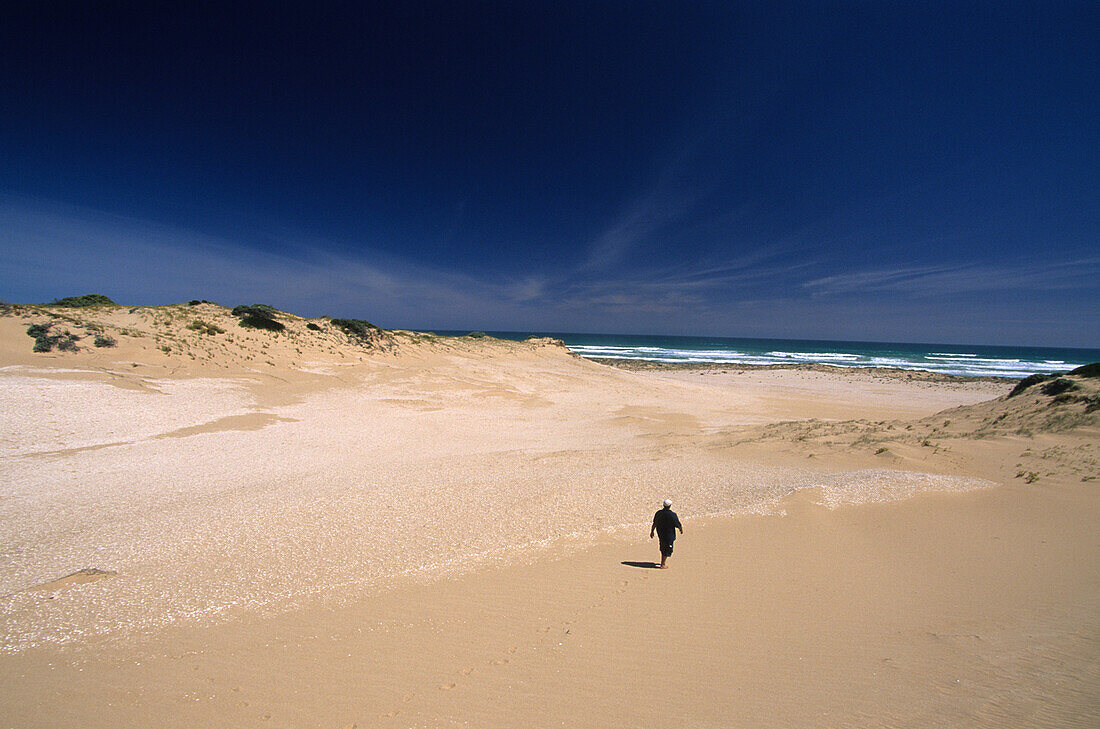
<point>245,528</point>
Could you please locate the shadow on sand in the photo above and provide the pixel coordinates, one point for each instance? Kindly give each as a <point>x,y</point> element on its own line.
<point>643,565</point>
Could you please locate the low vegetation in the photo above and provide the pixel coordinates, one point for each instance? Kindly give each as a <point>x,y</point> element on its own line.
<point>1027,382</point>
<point>1056,383</point>
<point>167,328</point>
<point>45,341</point>
<point>85,300</point>
<point>1058,386</point>
<point>198,325</point>
<point>1089,370</point>
<point>356,327</point>
<point>259,316</point>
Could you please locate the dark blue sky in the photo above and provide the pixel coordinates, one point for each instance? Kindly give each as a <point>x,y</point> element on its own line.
<point>871,170</point>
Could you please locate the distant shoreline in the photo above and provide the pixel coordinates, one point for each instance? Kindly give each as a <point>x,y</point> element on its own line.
<point>723,367</point>
<point>964,360</point>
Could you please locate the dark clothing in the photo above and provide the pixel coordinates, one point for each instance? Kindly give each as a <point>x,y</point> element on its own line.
<point>666,548</point>
<point>665,522</point>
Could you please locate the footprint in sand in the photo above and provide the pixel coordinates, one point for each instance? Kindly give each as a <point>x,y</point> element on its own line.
<point>407,698</point>
<point>499,662</point>
<point>447,686</point>
<point>467,671</point>
<point>80,577</point>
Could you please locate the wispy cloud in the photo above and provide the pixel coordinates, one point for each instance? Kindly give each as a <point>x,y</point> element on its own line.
<point>52,250</point>
<point>670,198</point>
<point>954,279</point>
<point>766,290</point>
<point>643,218</point>
<point>774,261</point>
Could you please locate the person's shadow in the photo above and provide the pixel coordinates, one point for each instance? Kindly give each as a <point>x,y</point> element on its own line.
<point>642,565</point>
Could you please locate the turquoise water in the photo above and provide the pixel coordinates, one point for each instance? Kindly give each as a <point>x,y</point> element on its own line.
<point>954,359</point>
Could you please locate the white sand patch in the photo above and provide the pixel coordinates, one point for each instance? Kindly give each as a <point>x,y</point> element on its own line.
<point>850,488</point>
<point>40,414</point>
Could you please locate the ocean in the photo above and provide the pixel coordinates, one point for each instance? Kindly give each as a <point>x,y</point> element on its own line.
<point>951,359</point>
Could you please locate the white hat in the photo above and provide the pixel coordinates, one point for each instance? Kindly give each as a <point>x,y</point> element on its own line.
<point>668,502</point>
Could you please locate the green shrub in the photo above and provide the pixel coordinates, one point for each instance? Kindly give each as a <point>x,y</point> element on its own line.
<point>355,327</point>
<point>261,310</point>
<point>45,342</point>
<point>198,325</point>
<point>85,300</point>
<point>260,322</point>
<point>1028,382</point>
<point>313,327</point>
<point>258,316</point>
<point>1089,370</point>
<point>193,302</point>
<point>104,340</point>
<point>477,335</point>
<point>67,344</point>
<point>1058,386</point>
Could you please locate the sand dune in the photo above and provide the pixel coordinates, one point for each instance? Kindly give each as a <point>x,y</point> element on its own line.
<point>314,527</point>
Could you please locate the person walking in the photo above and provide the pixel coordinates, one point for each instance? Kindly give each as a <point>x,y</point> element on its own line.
<point>665,524</point>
